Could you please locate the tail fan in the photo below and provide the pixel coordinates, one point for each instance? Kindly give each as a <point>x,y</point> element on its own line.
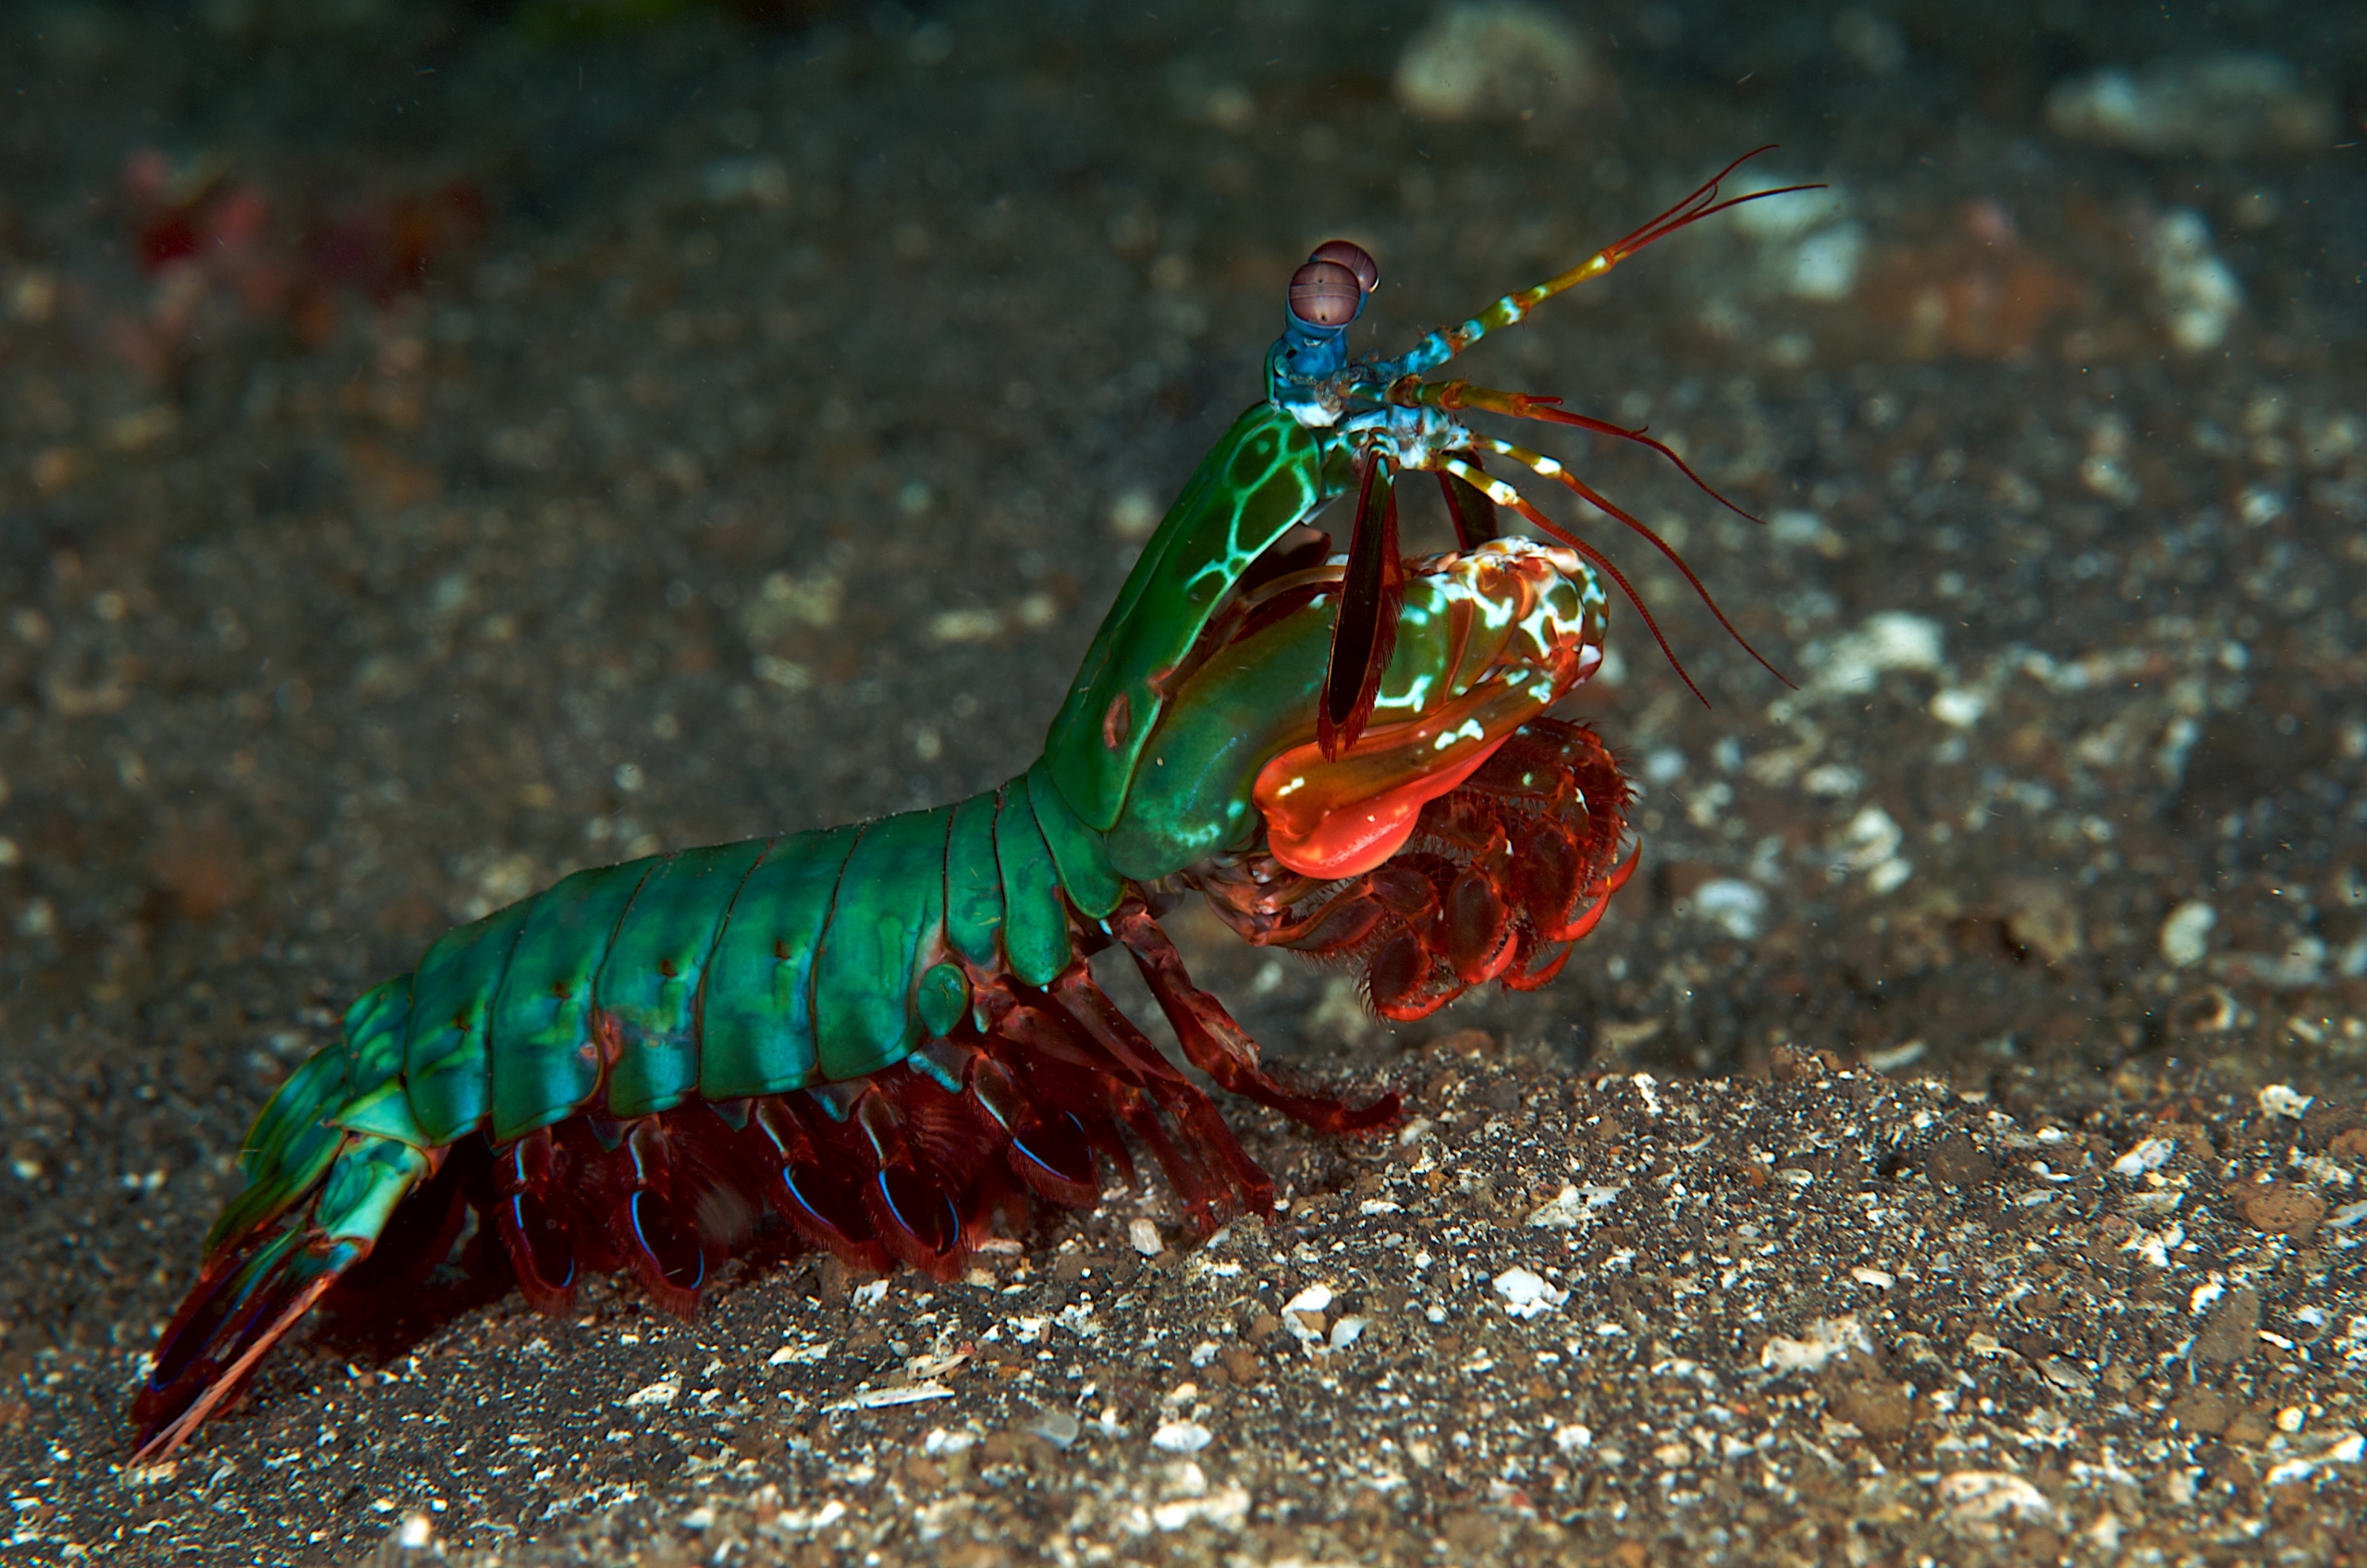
<point>260,1280</point>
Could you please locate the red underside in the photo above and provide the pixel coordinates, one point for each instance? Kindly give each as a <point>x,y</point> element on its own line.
<point>1053,1091</point>
<point>908,1170</point>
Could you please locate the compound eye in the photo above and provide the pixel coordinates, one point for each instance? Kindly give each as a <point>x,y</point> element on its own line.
<point>1352,256</point>
<point>1325,294</point>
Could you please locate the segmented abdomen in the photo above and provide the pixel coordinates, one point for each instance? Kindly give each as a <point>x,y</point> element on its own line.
<point>723,974</point>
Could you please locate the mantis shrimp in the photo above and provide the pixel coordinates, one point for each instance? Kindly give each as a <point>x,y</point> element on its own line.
<point>888,1034</point>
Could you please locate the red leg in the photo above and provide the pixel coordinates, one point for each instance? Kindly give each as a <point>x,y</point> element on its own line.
<point>1179,1098</point>
<point>1217,1045</point>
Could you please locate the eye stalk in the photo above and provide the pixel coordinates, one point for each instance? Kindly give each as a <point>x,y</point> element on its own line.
<point>1326,295</point>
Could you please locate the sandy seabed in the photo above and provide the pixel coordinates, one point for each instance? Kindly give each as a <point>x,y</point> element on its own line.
<point>439,451</point>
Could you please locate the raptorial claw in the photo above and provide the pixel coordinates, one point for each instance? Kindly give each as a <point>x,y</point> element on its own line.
<point>1456,907</point>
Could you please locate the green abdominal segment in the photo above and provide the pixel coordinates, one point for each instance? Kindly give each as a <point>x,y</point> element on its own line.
<point>755,1032</point>
<point>543,1011</point>
<point>721,974</point>
<point>647,993</point>
<point>887,927</point>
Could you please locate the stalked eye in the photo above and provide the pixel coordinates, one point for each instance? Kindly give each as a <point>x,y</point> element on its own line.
<point>1352,256</point>
<point>1325,294</point>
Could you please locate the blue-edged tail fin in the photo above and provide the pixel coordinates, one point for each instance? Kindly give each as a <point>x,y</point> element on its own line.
<point>257,1285</point>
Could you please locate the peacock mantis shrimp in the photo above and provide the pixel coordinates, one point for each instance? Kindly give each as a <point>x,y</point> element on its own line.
<point>888,1034</point>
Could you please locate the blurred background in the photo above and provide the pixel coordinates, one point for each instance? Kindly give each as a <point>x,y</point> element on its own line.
<point>444,445</point>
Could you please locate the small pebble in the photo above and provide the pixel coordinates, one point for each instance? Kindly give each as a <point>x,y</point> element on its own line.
<point>1494,59</point>
<point>1956,1161</point>
<point>2186,934</point>
<point>1181,1436</point>
<point>2224,105</point>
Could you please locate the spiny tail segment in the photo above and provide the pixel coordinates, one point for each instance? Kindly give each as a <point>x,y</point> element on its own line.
<point>315,1196</point>
<point>257,1285</point>
<point>1445,344</point>
<point>1499,877</point>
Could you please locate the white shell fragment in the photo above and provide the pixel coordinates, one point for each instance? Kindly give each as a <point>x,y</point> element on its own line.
<point>2195,291</point>
<point>882,1398</point>
<point>809,1354</point>
<point>1181,1436</point>
<point>2150,1154</point>
<point>2186,934</point>
<point>1825,1339</point>
<point>1059,1428</point>
<point>1571,1205</point>
<point>1735,906</point>
<point>1226,1507</point>
<point>2280,1099</point>
<point>1958,706</point>
<point>1891,640</point>
<point>1528,1294</point>
<point>1991,1497</point>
